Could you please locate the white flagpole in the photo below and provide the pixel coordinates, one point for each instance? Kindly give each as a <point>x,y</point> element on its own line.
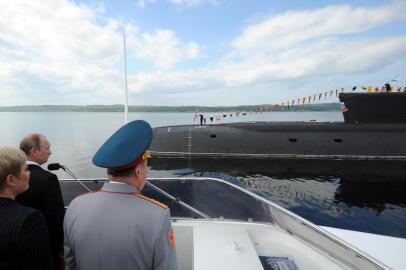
<point>125,81</point>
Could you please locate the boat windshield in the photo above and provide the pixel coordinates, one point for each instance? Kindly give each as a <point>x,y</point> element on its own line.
<point>211,198</point>
<point>199,198</point>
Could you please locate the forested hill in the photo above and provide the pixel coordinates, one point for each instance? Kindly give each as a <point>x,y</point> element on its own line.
<point>120,108</point>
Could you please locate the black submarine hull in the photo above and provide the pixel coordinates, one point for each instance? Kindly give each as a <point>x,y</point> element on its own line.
<point>302,140</point>
<point>374,128</point>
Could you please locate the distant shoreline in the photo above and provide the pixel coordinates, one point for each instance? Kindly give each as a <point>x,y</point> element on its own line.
<point>120,108</point>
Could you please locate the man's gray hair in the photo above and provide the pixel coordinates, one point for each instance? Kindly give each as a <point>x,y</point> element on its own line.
<point>11,162</point>
<point>31,141</point>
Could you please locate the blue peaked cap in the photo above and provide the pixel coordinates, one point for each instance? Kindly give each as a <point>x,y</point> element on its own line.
<point>125,145</point>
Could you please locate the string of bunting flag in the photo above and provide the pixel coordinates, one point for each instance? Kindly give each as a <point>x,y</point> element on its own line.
<point>288,105</point>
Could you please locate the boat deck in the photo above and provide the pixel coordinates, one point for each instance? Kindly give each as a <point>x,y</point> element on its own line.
<point>219,225</point>
<point>223,245</point>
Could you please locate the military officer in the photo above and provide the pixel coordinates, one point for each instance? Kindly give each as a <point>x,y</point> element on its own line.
<point>117,227</point>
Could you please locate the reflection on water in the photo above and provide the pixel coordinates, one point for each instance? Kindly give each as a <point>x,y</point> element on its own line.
<point>358,195</point>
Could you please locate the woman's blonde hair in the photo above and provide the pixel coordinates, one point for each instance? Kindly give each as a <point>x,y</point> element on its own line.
<point>11,162</point>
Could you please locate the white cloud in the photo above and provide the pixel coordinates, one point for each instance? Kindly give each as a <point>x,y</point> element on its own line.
<point>143,3</point>
<point>183,3</point>
<point>59,41</point>
<point>294,48</point>
<point>300,44</point>
<point>186,2</point>
<point>295,27</point>
<point>344,58</point>
<point>58,52</point>
<point>193,50</point>
<point>163,48</point>
<point>56,41</point>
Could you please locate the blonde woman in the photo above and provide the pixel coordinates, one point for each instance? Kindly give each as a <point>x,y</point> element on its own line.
<point>24,241</point>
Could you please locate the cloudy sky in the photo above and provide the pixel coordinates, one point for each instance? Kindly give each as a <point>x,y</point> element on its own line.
<point>196,52</point>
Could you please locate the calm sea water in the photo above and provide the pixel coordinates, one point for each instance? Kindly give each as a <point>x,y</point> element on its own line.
<point>365,196</point>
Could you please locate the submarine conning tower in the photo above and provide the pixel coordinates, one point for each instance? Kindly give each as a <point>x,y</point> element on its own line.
<point>380,107</point>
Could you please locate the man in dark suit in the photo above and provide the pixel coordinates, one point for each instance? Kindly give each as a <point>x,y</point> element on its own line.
<point>44,192</point>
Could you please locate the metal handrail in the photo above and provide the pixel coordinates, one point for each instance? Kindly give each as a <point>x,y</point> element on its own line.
<point>177,200</point>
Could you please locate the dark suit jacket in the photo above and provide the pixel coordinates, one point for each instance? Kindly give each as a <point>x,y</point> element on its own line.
<point>24,242</point>
<point>45,195</point>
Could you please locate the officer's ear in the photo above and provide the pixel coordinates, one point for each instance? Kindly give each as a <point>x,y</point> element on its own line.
<point>137,170</point>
